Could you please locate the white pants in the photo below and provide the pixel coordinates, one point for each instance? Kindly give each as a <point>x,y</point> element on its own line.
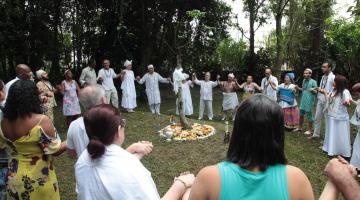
<point>318,115</point>
<point>112,96</point>
<point>155,108</point>
<point>208,104</point>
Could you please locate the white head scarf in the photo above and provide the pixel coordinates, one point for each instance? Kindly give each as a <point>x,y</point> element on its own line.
<point>309,70</point>
<point>127,63</point>
<point>150,66</point>
<point>231,75</point>
<point>39,73</point>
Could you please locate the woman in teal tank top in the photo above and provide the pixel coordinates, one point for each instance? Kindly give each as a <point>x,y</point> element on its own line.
<point>256,167</point>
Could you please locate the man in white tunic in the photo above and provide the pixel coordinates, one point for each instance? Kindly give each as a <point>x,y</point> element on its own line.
<point>206,96</point>
<point>151,80</point>
<point>23,72</point>
<point>230,99</point>
<point>326,85</point>
<point>106,76</point>
<point>128,100</point>
<point>269,84</point>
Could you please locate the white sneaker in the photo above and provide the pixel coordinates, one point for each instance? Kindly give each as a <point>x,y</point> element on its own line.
<point>307,133</point>
<point>296,130</point>
<point>223,119</point>
<point>210,119</point>
<point>131,110</point>
<point>199,118</point>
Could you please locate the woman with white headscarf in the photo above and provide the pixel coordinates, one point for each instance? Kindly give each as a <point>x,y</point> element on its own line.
<point>47,93</point>
<point>128,100</point>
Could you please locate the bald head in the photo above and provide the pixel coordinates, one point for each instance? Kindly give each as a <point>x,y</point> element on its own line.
<point>91,96</point>
<point>23,72</point>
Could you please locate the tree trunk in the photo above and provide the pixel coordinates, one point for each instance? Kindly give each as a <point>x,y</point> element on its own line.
<point>184,123</point>
<point>279,49</point>
<point>252,17</point>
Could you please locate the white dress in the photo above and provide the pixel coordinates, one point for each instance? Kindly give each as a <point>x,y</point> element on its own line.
<point>337,130</point>
<point>355,120</point>
<point>152,87</point>
<point>117,175</point>
<point>185,87</point>
<point>128,99</point>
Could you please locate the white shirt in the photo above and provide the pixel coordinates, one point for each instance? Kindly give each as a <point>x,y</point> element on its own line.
<point>77,138</point>
<point>7,87</point>
<point>178,77</point>
<point>152,86</point>
<point>206,87</point>
<point>338,105</point>
<point>267,89</point>
<point>355,120</point>
<point>117,175</point>
<point>107,76</point>
<point>326,83</point>
<point>88,76</point>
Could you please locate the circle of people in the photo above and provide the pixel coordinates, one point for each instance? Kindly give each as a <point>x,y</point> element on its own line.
<point>28,134</point>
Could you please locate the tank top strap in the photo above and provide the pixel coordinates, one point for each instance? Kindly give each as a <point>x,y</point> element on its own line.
<point>41,118</point>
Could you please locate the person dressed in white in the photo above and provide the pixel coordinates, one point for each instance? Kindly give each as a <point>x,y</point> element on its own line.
<point>105,171</point>
<point>206,94</point>
<point>106,76</point>
<point>88,74</point>
<point>269,84</point>
<point>337,130</point>
<point>186,95</point>
<point>326,84</point>
<point>23,72</point>
<point>355,120</point>
<point>77,138</point>
<point>152,80</point>
<point>128,100</point>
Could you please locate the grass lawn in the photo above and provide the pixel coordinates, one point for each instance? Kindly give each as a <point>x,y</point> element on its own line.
<point>168,159</point>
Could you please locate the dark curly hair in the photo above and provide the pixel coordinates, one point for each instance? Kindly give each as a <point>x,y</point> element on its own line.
<point>22,100</point>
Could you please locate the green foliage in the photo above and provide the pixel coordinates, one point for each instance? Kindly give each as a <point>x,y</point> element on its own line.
<point>230,55</point>
<point>343,37</point>
<point>66,33</point>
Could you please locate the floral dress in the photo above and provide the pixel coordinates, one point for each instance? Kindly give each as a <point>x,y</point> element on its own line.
<point>47,90</point>
<point>71,104</point>
<point>31,173</point>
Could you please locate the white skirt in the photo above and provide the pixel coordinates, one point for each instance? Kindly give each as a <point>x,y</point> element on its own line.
<point>337,137</point>
<point>355,158</point>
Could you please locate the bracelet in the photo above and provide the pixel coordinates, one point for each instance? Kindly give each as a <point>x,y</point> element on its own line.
<point>177,179</point>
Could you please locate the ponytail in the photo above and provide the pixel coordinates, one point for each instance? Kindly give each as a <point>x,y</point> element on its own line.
<point>101,123</point>
<point>96,149</point>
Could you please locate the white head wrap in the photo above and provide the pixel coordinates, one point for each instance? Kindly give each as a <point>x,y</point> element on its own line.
<point>39,73</point>
<point>309,70</point>
<point>127,63</point>
<point>231,75</point>
<point>150,66</point>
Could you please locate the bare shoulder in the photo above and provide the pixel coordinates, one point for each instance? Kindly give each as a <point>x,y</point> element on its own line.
<point>209,171</point>
<point>48,126</point>
<point>295,173</point>
<point>297,179</point>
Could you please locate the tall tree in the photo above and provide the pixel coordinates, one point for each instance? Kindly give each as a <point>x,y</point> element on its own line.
<point>278,8</point>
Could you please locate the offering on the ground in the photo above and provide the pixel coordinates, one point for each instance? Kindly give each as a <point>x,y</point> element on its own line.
<point>198,131</point>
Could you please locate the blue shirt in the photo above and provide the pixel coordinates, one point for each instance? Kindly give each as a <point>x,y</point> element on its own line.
<point>241,184</point>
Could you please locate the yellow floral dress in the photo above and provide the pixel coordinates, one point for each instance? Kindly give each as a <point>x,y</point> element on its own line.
<point>31,173</point>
